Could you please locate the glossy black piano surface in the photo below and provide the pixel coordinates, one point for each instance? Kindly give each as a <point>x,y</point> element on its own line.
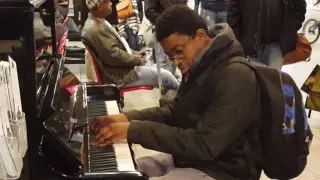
<point>70,156</point>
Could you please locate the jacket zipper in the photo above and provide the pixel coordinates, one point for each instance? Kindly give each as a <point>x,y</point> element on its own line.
<point>259,21</point>
<point>268,18</point>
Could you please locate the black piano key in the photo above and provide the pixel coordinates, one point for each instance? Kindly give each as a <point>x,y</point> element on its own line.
<point>103,160</point>
<point>100,154</point>
<point>107,150</point>
<point>104,166</point>
<point>97,109</point>
<point>101,151</point>
<point>104,163</point>
<point>104,170</point>
<point>96,156</point>
<point>100,159</point>
<point>94,114</point>
<point>106,158</point>
<point>98,106</point>
<point>102,148</point>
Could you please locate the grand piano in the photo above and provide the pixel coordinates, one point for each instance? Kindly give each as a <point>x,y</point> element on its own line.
<point>58,115</point>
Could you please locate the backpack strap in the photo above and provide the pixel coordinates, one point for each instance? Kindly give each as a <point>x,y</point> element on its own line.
<point>251,156</point>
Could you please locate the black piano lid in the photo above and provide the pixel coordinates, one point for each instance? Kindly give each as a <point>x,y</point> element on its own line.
<point>48,89</point>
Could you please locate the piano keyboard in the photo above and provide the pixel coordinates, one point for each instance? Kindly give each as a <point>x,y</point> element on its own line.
<point>113,158</point>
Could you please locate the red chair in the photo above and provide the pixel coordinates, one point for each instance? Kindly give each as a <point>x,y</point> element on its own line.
<point>65,22</point>
<point>63,40</point>
<point>122,90</point>
<point>63,43</point>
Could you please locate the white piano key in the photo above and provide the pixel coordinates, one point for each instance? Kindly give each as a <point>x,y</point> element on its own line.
<point>112,107</point>
<point>122,151</point>
<point>123,156</point>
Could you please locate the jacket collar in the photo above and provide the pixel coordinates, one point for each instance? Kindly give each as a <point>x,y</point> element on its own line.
<point>91,16</point>
<point>222,47</point>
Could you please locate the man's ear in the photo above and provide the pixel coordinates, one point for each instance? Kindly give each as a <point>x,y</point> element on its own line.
<point>201,33</point>
<point>99,6</point>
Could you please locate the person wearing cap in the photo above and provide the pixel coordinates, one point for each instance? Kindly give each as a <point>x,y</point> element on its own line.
<point>116,62</point>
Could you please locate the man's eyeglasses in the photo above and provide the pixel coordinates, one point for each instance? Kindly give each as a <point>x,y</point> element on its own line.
<point>179,54</point>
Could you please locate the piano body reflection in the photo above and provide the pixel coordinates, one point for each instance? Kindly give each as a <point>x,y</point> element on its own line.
<point>66,152</point>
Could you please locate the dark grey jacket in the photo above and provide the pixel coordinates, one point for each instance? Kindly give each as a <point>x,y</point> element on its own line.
<point>202,127</point>
<point>115,64</point>
<point>154,8</point>
<point>246,19</point>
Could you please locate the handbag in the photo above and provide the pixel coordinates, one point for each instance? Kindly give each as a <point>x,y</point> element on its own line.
<point>302,52</point>
<point>125,9</point>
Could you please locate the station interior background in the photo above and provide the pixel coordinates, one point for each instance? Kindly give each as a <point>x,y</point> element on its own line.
<point>145,98</point>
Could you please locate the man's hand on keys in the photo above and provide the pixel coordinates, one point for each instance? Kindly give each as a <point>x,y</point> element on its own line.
<point>111,133</point>
<point>102,121</point>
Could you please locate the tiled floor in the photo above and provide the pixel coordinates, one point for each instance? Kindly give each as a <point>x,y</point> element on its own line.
<point>144,98</point>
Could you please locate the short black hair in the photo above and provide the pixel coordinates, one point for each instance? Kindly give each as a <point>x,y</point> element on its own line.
<point>179,19</point>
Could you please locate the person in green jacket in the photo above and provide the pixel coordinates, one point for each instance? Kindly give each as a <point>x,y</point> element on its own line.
<point>203,131</point>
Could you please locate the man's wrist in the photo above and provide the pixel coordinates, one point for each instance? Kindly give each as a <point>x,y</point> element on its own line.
<point>130,114</point>
<point>124,118</point>
<point>137,60</point>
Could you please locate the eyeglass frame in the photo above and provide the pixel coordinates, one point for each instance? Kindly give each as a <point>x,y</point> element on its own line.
<point>174,56</point>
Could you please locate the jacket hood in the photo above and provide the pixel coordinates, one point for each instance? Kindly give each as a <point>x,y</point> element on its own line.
<point>222,48</point>
<point>224,37</point>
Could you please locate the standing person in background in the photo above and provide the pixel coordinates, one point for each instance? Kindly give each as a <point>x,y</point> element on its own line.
<point>113,17</point>
<point>213,11</point>
<point>129,27</point>
<point>267,29</point>
<point>84,12</point>
<point>154,8</point>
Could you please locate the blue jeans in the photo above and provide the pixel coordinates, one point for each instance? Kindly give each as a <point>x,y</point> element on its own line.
<point>161,167</point>
<point>270,55</point>
<point>213,18</point>
<point>148,77</point>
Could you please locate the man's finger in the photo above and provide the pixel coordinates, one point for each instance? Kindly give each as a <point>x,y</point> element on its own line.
<point>93,125</point>
<point>97,123</point>
<point>105,133</point>
<point>105,143</point>
<point>103,139</point>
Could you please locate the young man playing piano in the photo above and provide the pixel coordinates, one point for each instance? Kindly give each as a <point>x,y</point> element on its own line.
<point>205,128</point>
<point>117,63</point>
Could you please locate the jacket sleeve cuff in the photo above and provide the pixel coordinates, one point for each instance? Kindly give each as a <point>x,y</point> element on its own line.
<point>131,114</point>
<point>135,132</point>
<point>137,60</point>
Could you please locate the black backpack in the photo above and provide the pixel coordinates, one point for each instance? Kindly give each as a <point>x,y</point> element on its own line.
<point>285,133</point>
